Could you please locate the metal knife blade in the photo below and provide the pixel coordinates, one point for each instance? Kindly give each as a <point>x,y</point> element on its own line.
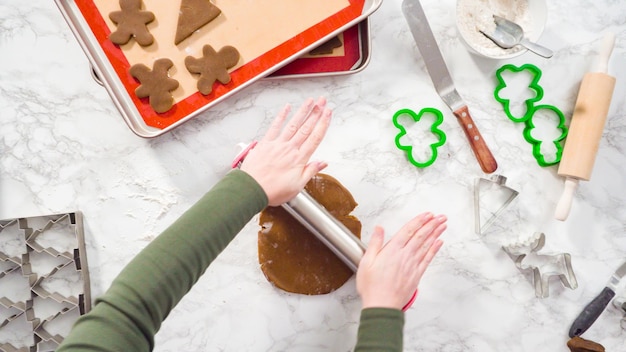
<point>592,311</point>
<point>439,74</point>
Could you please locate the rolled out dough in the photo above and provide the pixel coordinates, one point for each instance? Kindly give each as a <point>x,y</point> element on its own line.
<point>291,257</point>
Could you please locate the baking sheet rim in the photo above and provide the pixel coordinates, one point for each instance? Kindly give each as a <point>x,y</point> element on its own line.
<point>365,41</point>
<point>112,83</point>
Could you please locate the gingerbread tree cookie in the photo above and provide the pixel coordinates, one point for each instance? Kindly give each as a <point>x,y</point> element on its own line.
<point>328,47</point>
<point>155,84</point>
<point>192,16</point>
<point>212,66</point>
<point>131,22</point>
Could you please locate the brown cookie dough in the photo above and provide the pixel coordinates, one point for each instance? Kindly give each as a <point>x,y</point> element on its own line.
<point>212,66</point>
<point>578,344</point>
<point>192,16</point>
<point>328,47</point>
<point>155,84</point>
<point>291,257</point>
<point>131,22</point>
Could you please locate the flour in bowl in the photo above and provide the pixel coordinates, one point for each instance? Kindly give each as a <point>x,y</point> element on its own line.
<point>476,15</point>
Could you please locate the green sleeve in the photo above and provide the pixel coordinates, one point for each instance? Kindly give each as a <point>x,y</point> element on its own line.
<point>380,330</point>
<point>129,314</point>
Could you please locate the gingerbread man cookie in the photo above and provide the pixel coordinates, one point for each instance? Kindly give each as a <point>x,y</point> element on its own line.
<point>155,84</point>
<point>131,22</point>
<point>212,66</point>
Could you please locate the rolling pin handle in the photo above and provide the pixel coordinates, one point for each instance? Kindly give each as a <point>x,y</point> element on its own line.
<point>565,203</point>
<point>601,63</point>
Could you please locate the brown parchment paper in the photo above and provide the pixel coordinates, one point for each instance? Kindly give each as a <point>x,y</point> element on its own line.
<point>252,26</point>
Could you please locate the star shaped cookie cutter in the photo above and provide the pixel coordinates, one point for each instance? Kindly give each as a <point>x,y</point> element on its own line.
<point>543,266</point>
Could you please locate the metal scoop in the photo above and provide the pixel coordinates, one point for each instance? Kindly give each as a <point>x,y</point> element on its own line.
<point>509,34</point>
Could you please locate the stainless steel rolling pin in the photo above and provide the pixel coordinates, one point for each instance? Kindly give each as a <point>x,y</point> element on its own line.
<point>321,223</point>
<point>315,218</point>
<point>335,235</point>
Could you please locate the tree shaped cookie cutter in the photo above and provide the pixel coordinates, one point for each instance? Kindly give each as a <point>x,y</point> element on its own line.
<point>29,233</point>
<point>434,128</point>
<point>501,196</point>
<point>543,266</point>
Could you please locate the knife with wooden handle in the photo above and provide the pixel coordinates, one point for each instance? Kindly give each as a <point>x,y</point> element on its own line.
<point>438,71</point>
<point>592,311</point>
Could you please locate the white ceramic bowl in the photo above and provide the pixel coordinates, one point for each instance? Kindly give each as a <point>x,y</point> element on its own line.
<point>472,15</point>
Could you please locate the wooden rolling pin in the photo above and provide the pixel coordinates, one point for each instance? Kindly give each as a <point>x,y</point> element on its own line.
<point>585,130</point>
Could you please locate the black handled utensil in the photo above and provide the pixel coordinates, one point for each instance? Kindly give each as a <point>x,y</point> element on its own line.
<point>592,311</point>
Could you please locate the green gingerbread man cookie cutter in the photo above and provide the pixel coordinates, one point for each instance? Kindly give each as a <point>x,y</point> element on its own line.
<point>531,110</point>
<point>529,126</point>
<point>535,72</point>
<point>434,128</point>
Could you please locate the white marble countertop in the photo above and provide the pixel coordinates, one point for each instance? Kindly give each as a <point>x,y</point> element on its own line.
<point>64,147</point>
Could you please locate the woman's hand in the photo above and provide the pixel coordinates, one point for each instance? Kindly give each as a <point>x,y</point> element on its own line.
<point>280,161</point>
<point>389,274</point>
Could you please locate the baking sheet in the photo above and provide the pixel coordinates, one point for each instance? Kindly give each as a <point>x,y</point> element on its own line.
<point>352,57</point>
<point>111,64</point>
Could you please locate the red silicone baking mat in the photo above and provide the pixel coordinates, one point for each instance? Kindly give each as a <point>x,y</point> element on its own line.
<point>261,65</point>
<point>347,61</point>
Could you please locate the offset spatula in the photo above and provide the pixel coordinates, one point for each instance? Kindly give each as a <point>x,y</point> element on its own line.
<point>436,66</point>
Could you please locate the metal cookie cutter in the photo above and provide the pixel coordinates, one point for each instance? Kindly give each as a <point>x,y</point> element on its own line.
<point>434,128</point>
<point>44,279</point>
<point>526,257</point>
<point>491,197</point>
